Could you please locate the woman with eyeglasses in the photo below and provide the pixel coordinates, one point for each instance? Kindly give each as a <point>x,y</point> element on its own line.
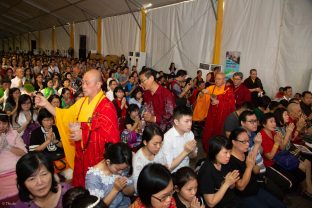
<point>109,179</point>
<point>247,187</point>
<point>155,188</point>
<point>272,143</point>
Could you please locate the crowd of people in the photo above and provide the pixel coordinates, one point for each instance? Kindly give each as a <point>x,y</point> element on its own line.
<point>93,133</point>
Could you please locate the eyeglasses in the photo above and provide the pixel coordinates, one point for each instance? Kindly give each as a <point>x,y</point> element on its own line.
<point>142,81</point>
<point>243,142</point>
<point>252,121</point>
<point>164,198</point>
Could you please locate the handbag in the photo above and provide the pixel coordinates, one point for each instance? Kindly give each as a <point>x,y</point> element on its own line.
<point>286,160</point>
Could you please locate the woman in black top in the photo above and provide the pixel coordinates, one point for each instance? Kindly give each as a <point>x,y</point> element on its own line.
<point>215,178</point>
<point>247,187</point>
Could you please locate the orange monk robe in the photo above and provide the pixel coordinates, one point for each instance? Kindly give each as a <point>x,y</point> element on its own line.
<point>103,129</point>
<point>201,107</point>
<point>218,113</point>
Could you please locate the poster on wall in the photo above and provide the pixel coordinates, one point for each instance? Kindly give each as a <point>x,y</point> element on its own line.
<point>232,62</point>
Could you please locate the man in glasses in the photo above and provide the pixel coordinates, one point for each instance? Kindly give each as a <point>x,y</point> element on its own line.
<point>159,101</point>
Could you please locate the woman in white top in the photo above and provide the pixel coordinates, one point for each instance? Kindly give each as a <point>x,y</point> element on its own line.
<point>24,120</point>
<point>152,140</point>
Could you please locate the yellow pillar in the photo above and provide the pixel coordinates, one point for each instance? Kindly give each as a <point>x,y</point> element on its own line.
<point>99,35</point>
<point>143,29</point>
<point>53,39</point>
<point>218,34</point>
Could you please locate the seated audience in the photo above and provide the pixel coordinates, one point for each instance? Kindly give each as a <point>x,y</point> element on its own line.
<point>306,104</point>
<point>155,188</point>
<point>185,184</point>
<point>179,142</point>
<point>25,118</point>
<point>287,93</point>
<point>66,101</point>
<point>10,106</point>
<point>131,134</point>
<point>109,180</point>
<point>215,178</point>
<point>151,151</point>
<point>272,144</point>
<point>111,87</point>
<point>247,187</point>
<point>36,182</point>
<point>137,98</point>
<point>12,147</point>
<point>120,102</point>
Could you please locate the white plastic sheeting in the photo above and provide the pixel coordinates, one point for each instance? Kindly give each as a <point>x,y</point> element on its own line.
<point>45,40</point>
<point>120,34</point>
<point>182,33</point>
<point>84,28</point>
<point>62,39</point>
<point>275,37</point>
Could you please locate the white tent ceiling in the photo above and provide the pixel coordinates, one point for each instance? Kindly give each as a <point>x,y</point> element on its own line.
<point>20,16</point>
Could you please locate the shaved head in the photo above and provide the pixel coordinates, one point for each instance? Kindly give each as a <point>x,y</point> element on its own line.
<point>92,83</point>
<point>95,74</point>
<point>294,110</point>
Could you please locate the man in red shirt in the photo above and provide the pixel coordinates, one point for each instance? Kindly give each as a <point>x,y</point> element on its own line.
<point>241,92</point>
<point>159,101</point>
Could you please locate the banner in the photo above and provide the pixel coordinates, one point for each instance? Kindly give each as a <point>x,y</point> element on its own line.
<point>231,63</point>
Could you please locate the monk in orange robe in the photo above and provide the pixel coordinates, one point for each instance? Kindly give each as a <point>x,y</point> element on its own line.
<point>221,105</point>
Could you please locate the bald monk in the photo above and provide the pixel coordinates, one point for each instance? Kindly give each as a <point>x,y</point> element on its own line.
<point>85,146</point>
<point>222,103</point>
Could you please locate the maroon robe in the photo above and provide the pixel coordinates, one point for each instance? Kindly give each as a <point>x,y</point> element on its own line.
<point>242,95</point>
<point>103,129</point>
<point>217,115</point>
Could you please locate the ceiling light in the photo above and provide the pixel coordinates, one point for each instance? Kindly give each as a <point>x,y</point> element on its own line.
<point>146,6</point>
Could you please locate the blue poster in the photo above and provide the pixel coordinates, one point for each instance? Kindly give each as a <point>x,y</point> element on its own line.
<point>232,62</point>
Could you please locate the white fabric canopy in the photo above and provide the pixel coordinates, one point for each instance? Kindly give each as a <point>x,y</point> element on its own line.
<point>84,28</point>
<point>62,41</point>
<point>275,37</point>
<point>121,34</point>
<point>182,33</point>
<point>46,39</point>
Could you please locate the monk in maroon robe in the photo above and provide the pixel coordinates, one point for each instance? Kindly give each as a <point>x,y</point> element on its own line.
<point>221,105</point>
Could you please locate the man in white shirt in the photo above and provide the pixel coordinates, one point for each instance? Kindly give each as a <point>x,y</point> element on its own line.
<point>179,144</point>
<point>19,80</point>
<point>110,93</point>
<point>53,68</point>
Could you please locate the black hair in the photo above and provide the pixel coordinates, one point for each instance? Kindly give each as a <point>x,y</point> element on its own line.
<point>111,81</point>
<point>135,92</point>
<point>182,176</point>
<point>153,178</point>
<point>10,98</point>
<point>21,100</point>
<point>286,88</point>
<point>180,111</point>
<point>266,117</point>
<point>278,115</point>
<point>26,166</point>
<point>86,201</point>
<point>65,79</point>
<point>118,88</point>
<point>4,117</point>
<point>252,70</point>
<point>72,194</point>
<point>5,80</point>
<point>248,106</point>
<point>264,102</point>
<point>119,153</point>
<point>306,93</point>
<point>216,143</point>
<point>181,73</point>
<point>273,105</point>
<point>43,113</point>
<point>77,93</point>
<point>132,108</point>
<point>111,72</point>
<point>244,114</point>
<point>148,72</point>
<point>65,76</point>
<point>284,103</point>
<point>235,133</point>
<point>64,90</point>
<point>150,131</point>
<point>54,96</point>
